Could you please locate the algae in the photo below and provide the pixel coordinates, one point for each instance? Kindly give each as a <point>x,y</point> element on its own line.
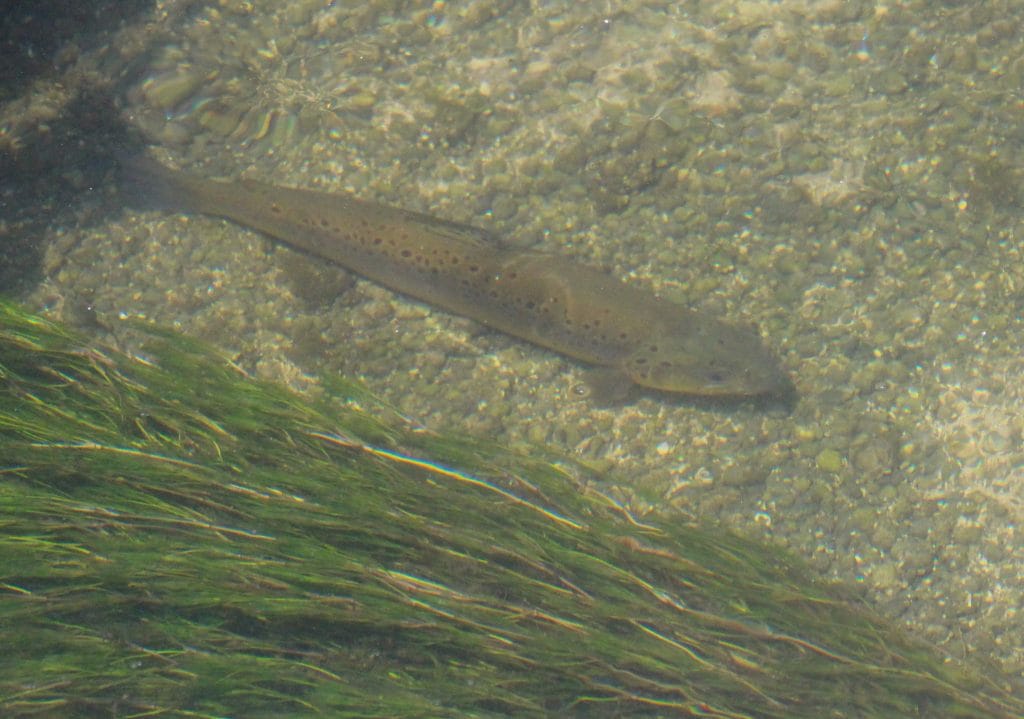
<point>182,540</point>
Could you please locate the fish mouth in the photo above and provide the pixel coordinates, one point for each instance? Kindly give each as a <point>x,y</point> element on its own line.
<point>775,392</point>
<point>774,387</point>
<point>771,385</point>
<point>783,389</point>
<point>775,384</point>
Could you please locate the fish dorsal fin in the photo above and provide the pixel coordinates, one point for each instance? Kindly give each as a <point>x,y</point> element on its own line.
<point>457,231</point>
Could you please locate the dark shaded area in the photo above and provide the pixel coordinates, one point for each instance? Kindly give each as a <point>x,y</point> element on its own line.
<point>37,37</point>
<point>54,180</point>
<point>58,123</point>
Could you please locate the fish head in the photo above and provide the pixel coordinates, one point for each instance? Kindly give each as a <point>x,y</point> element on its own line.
<point>708,357</point>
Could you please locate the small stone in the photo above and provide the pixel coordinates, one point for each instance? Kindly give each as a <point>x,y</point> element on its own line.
<point>168,91</point>
<point>829,460</point>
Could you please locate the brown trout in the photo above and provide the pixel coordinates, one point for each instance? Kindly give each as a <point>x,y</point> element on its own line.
<point>635,336</point>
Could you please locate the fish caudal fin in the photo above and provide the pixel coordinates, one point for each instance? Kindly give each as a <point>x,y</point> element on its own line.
<point>147,184</point>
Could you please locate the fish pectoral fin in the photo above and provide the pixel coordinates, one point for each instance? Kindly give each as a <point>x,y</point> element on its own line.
<point>609,386</point>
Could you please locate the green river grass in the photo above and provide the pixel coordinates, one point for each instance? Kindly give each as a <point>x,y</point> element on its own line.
<point>177,539</point>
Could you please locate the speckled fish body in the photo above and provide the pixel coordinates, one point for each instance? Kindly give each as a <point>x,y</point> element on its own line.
<point>544,298</point>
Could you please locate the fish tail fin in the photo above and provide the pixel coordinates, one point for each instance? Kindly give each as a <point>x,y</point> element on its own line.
<point>150,185</point>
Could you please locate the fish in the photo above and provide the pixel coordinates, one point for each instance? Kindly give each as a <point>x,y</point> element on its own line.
<point>631,337</point>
